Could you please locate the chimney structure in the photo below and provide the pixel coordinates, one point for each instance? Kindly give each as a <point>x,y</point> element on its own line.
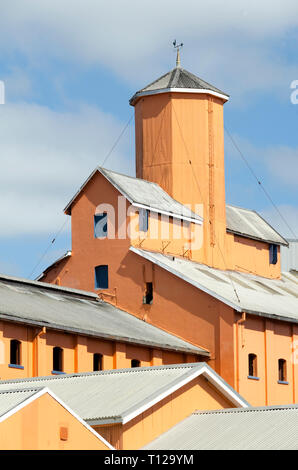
<point>179,133</point>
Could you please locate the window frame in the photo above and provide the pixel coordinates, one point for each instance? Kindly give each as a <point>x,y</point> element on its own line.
<point>273,253</point>
<point>137,362</point>
<point>103,215</point>
<point>282,371</point>
<point>15,362</point>
<point>99,285</point>
<point>253,367</point>
<point>60,368</point>
<point>144,220</point>
<point>99,358</point>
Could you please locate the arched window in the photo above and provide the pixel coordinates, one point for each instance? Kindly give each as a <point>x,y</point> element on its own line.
<point>135,363</point>
<point>15,352</point>
<point>57,359</point>
<point>97,361</point>
<point>282,370</point>
<point>252,365</point>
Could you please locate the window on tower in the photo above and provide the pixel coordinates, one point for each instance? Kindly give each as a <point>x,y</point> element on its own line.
<point>101,225</point>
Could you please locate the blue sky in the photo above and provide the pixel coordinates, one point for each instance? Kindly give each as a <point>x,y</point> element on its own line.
<point>69,69</point>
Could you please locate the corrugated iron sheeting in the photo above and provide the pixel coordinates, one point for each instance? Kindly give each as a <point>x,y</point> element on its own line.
<point>38,304</point>
<point>249,223</point>
<point>276,298</point>
<point>249,429</point>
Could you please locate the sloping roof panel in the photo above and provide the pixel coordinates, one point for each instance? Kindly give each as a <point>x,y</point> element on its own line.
<point>10,399</point>
<point>100,397</point>
<point>268,428</point>
<point>38,304</point>
<point>250,224</point>
<point>177,79</point>
<point>144,193</point>
<point>274,298</point>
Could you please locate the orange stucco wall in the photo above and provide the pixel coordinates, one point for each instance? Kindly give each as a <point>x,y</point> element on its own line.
<point>180,146</point>
<point>37,427</point>
<point>37,352</point>
<point>196,395</point>
<point>270,341</point>
<point>251,256</point>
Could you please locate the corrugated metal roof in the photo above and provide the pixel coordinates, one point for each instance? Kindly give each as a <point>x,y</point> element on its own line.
<point>271,428</point>
<point>112,396</point>
<point>10,399</point>
<point>144,193</point>
<point>274,298</point>
<point>178,78</point>
<point>250,224</point>
<point>37,303</point>
<point>289,256</point>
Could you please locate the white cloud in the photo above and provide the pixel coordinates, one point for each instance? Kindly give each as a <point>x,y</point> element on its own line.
<point>230,43</point>
<point>44,158</point>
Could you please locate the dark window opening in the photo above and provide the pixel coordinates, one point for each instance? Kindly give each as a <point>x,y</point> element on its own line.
<point>97,361</point>
<point>143,220</point>
<point>252,365</point>
<point>15,352</point>
<point>101,277</point>
<point>135,363</point>
<point>282,370</point>
<point>101,225</point>
<point>273,251</point>
<point>57,359</point>
<point>148,297</point>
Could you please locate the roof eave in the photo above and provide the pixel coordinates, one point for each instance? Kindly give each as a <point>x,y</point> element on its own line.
<point>244,235</point>
<point>203,91</point>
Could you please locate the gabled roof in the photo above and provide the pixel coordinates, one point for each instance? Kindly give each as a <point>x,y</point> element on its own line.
<point>272,298</point>
<point>14,399</point>
<point>40,304</point>
<point>179,80</point>
<point>56,262</point>
<point>249,223</point>
<point>266,428</point>
<point>117,396</point>
<point>144,194</point>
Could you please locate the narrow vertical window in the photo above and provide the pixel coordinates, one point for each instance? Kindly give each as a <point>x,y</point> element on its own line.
<point>282,370</point>
<point>273,251</point>
<point>101,277</point>
<point>143,220</point>
<point>148,297</point>
<point>15,352</point>
<point>97,362</point>
<point>57,359</point>
<point>252,366</point>
<point>135,363</point>
<point>101,225</point>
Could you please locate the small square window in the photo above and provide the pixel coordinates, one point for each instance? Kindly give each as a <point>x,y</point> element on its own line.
<point>101,277</point>
<point>101,225</point>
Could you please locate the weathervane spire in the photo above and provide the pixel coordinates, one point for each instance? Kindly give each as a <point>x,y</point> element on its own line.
<point>177,46</point>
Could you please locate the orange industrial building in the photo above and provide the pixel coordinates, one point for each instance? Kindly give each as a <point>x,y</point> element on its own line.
<point>170,301</point>
<point>217,285</point>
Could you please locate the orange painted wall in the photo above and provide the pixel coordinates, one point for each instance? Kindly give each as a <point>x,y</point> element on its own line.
<point>196,395</point>
<point>251,256</point>
<point>180,146</point>
<point>37,427</point>
<point>270,341</point>
<point>37,352</point>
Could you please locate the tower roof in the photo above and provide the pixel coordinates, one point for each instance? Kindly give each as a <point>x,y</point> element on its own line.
<point>179,80</point>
